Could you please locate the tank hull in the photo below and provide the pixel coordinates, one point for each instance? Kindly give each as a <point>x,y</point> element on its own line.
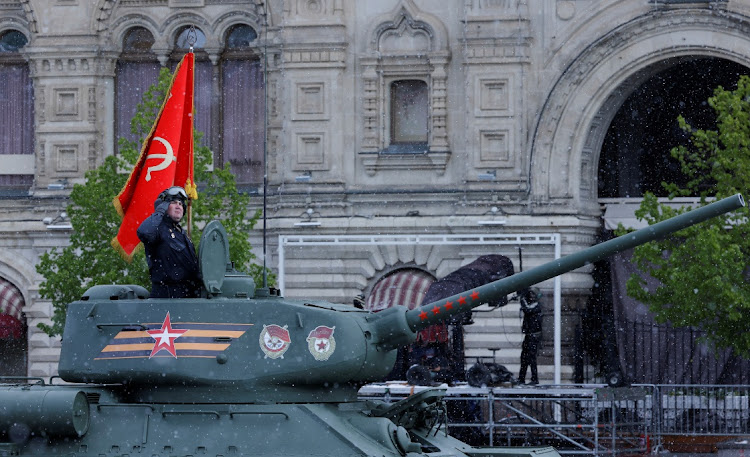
<point>118,428</point>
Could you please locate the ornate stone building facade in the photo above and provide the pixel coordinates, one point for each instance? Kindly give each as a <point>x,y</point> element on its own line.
<point>432,118</point>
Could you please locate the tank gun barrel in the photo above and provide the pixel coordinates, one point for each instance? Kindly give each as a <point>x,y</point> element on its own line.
<point>440,310</point>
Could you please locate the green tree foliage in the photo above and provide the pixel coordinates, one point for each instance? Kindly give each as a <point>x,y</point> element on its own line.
<point>703,270</point>
<point>89,259</point>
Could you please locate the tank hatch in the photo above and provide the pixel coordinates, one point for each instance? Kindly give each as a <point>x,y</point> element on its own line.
<point>213,255</point>
<point>219,276</point>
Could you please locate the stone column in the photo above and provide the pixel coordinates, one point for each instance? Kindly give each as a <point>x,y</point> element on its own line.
<point>74,111</point>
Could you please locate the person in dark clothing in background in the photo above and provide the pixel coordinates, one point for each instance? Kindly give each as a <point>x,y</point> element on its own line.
<point>532,330</point>
<point>170,253</point>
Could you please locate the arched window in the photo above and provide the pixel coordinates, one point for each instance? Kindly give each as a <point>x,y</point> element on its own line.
<point>137,69</point>
<point>406,287</point>
<point>12,41</point>
<point>243,107</point>
<point>17,115</point>
<point>189,35</point>
<point>241,37</point>
<point>13,341</point>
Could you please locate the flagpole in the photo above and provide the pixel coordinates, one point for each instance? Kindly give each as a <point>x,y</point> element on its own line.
<point>265,140</point>
<point>192,37</point>
<point>190,218</point>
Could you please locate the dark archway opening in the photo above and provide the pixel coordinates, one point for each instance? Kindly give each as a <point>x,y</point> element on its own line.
<point>635,156</point>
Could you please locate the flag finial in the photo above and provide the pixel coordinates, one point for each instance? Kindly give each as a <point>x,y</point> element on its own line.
<point>192,37</point>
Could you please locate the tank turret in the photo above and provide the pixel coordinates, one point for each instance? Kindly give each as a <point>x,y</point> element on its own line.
<point>249,369</point>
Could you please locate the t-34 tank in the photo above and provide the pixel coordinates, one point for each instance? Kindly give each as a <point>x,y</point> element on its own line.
<point>242,372</point>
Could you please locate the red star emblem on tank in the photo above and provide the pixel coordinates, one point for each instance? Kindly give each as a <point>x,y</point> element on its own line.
<point>474,295</point>
<point>321,343</point>
<point>165,337</point>
<point>423,315</point>
<point>449,305</point>
<point>462,300</point>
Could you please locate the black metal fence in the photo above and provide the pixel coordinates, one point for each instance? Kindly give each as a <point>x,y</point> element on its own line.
<point>649,353</point>
<point>694,410</point>
<point>660,354</point>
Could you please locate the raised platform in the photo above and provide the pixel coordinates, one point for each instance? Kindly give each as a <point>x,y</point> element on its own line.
<point>575,419</point>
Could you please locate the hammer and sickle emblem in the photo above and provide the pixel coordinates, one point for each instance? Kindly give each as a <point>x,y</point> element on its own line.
<point>167,158</point>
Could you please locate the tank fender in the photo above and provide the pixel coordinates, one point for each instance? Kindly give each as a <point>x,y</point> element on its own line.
<point>47,412</point>
<point>386,433</point>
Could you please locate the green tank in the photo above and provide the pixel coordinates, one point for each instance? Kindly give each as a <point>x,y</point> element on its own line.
<point>245,372</point>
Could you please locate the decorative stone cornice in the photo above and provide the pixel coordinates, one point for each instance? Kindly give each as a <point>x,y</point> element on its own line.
<point>324,54</point>
<point>483,10</point>
<point>498,50</point>
<point>433,161</point>
<point>76,64</point>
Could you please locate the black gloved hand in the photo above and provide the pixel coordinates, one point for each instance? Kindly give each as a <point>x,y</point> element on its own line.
<point>161,207</point>
<point>529,297</point>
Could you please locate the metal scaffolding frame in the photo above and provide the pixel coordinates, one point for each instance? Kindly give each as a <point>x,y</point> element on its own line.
<point>552,239</point>
<point>576,420</point>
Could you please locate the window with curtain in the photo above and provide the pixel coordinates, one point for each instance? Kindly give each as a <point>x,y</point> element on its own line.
<point>243,107</point>
<point>409,115</point>
<point>137,69</point>
<point>17,115</point>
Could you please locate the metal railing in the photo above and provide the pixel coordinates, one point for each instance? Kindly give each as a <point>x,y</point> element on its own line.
<point>575,419</point>
<point>703,410</point>
<point>589,419</point>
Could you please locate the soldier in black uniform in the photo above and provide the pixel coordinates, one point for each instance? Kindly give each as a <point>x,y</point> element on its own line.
<point>170,253</point>
<point>532,329</point>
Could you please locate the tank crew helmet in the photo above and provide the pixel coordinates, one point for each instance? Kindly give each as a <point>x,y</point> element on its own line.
<point>174,193</point>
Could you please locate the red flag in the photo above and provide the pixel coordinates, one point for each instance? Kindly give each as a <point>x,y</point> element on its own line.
<point>166,160</point>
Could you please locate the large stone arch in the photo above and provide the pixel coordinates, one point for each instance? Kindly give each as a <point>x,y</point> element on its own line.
<point>30,14</point>
<point>19,272</point>
<point>567,139</point>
